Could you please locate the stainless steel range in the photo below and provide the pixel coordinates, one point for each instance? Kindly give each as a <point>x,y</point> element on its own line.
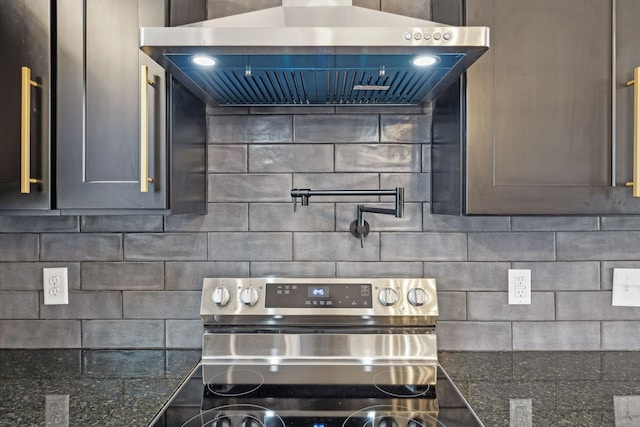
<point>318,353</point>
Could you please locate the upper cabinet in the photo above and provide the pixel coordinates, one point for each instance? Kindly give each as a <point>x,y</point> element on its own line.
<point>115,131</point>
<point>539,112</point>
<point>25,72</point>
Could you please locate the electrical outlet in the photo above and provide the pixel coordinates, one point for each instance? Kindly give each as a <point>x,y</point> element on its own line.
<point>56,410</point>
<point>519,286</point>
<point>520,413</point>
<point>56,285</point>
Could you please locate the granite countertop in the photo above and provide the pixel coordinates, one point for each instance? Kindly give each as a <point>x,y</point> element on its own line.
<point>127,387</point>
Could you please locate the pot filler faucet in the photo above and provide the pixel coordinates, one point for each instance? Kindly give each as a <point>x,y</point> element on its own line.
<point>359,228</point>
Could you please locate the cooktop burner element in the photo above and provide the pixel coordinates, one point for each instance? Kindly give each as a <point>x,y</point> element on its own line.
<point>318,353</point>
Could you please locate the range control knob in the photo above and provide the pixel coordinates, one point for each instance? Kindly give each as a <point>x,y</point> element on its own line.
<point>250,421</point>
<point>249,296</point>
<point>417,297</point>
<point>220,296</point>
<point>387,422</point>
<point>388,297</point>
<point>221,422</point>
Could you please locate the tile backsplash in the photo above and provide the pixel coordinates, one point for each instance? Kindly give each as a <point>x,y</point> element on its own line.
<point>135,280</point>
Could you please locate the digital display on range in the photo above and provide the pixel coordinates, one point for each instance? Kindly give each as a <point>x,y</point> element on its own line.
<point>318,295</point>
<point>318,292</point>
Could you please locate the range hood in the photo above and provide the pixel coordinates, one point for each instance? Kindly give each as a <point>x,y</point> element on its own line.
<point>316,52</point>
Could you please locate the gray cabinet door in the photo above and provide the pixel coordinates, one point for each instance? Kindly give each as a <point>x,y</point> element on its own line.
<point>539,110</point>
<point>627,58</point>
<point>25,41</point>
<point>100,86</point>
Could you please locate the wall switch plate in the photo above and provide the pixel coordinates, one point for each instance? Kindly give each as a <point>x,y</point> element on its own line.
<point>56,410</point>
<point>520,413</point>
<point>626,287</point>
<point>519,286</point>
<point>56,285</point>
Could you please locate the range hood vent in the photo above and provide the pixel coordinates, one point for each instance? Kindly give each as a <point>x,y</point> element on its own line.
<point>315,52</point>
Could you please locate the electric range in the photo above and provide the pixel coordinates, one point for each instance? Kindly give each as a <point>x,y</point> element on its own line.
<point>282,352</point>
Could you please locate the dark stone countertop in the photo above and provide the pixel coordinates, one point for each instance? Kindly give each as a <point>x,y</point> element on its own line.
<point>127,387</point>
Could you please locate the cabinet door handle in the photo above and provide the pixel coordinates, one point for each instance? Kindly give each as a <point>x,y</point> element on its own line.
<point>145,179</point>
<point>636,132</point>
<point>25,132</point>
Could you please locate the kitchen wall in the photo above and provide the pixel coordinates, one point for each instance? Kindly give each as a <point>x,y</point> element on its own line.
<point>135,280</point>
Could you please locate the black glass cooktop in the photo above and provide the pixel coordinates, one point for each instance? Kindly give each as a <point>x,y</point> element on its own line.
<point>315,405</point>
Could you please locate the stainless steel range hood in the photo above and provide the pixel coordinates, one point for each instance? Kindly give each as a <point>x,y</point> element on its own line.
<point>316,52</point>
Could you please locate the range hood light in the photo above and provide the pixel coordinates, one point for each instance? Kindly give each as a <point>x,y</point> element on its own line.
<point>424,60</point>
<point>203,60</point>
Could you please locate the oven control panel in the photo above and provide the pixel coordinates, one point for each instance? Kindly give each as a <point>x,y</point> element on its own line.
<point>274,298</point>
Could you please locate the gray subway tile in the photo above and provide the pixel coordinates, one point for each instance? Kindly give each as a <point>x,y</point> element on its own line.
<point>426,158</point>
<point>166,246</point>
<point>474,336</point>
<point>336,128</point>
<point>19,247</point>
<point>452,306</point>
<point>335,247</point>
<point>468,276</point>
<point>622,336</point>
<point>121,223</point>
<point>122,276</point>
<point>123,333</point>
<point>338,181</point>
<point>188,276</point>
<point>27,276</point>
<point>81,247</point>
<point>563,276</point>
<point>18,305</point>
<point>556,336</point>
<point>554,223</point>
<point>445,223</point>
<point>411,221</point>
<point>405,128</point>
<point>592,306</point>
<point>379,269</point>
<point>423,247</point>
<point>624,222</point>
<point>86,305</point>
<point>606,271</point>
<point>293,269</point>
<point>38,224</point>
<point>378,158</point>
<point>281,217</point>
<point>249,128</point>
<point>249,188</point>
<point>184,334</point>
<point>272,246</point>
<point>537,246</point>
<point>490,306</point>
<point>219,217</point>
<point>417,186</point>
<point>291,158</point>
<point>598,245</point>
<point>40,334</point>
<point>161,304</point>
<point>227,158</point>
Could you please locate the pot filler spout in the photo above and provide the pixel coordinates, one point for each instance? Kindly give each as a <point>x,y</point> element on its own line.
<point>316,52</point>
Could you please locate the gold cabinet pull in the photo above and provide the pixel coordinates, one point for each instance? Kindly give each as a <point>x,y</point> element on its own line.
<point>145,179</point>
<point>636,132</point>
<point>25,133</point>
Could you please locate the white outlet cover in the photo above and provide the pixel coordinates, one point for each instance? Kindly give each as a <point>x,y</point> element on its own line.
<point>56,412</point>
<point>519,286</point>
<point>626,287</point>
<point>55,282</point>
<point>520,413</point>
